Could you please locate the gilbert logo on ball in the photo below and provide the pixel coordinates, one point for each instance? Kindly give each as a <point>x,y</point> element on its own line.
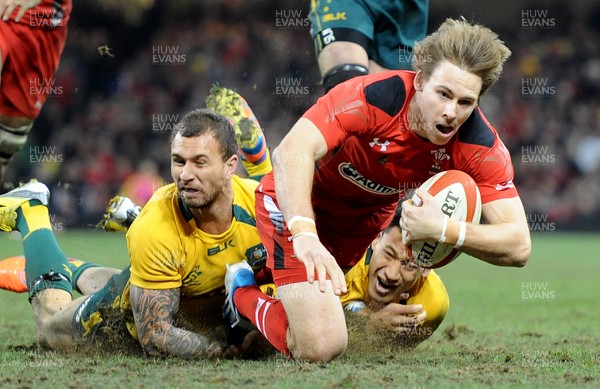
<point>457,196</point>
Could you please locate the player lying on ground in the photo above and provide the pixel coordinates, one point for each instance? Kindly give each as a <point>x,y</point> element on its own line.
<point>370,138</point>
<point>398,296</point>
<point>32,37</point>
<point>387,286</point>
<point>178,246</point>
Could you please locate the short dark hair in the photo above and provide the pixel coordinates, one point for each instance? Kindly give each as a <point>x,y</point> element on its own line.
<point>201,121</point>
<point>396,219</point>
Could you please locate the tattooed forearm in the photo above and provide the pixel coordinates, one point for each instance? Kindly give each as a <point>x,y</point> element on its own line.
<point>153,311</point>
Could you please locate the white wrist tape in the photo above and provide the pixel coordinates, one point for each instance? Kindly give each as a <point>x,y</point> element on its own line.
<point>305,233</point>
<point>444,228</point>
<point>299,218</point>
<point>461,235</point>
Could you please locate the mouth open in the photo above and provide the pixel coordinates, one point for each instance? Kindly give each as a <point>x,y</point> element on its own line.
<point>383,288</point>
<point>444,129</point>
<point>188,191</point>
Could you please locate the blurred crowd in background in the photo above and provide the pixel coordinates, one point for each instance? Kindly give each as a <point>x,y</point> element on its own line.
<point>128,74</point>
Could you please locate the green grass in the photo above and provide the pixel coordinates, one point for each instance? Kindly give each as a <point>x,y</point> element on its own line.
<point>530,327</point>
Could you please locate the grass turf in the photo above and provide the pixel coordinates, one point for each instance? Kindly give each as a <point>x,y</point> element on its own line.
<point>530,327</point>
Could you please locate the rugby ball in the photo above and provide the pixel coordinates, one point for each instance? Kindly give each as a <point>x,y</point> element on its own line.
<point>457,195</point>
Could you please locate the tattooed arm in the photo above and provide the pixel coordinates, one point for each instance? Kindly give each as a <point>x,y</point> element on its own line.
<point>153,311</point>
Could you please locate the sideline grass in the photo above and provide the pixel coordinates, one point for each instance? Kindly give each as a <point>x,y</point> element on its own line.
<point>530,327</point>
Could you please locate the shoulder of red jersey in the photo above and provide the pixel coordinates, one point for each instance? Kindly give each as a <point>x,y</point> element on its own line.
<point>482,154</point>
<point>361,106</point>
<point>476,130</point>
<point>388,91</point>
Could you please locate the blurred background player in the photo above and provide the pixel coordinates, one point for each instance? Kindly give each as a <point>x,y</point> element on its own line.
<point>32,38</point>
<point>357,37</point>
<point>140,184</point>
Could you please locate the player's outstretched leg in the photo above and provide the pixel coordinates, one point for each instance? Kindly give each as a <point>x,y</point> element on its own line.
<point>12,275</point>
<point>250,137</point>
<point>119,215</point>
<point>25,209</point>
<point>47,272</point>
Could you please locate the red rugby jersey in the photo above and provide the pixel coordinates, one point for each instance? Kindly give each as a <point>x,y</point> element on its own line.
<point>374,159</point>
<point>47,15</point>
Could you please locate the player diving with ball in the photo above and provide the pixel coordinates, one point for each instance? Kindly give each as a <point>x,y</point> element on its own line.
<point>401,300</point>
<point>398,296</point>
<point>337,176</point>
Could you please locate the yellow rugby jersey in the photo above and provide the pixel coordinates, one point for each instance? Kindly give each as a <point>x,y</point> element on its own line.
<point>428,291</point>
<point>168,251</point>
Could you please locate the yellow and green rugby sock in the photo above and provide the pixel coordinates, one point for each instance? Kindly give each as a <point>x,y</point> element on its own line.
<point>46,266</point>
<point>77,267</point>
<point>257,168</point>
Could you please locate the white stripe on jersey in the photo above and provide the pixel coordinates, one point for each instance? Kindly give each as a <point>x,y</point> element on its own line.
<point>275,213</point>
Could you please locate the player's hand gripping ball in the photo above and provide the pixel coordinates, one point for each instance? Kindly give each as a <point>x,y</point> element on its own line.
<point>457,195</point>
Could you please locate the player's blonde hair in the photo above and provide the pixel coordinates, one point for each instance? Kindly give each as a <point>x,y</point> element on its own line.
<point>471,47</point>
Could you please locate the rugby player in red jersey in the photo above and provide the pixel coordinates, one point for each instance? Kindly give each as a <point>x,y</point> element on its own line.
<point>340,171</point>
<point>32,38</point>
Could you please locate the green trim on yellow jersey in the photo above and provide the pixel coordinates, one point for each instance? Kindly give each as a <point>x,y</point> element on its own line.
<point>368,256</point>
<point>168,251</point>
<point>185,210</point>
<point>242,216</point>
